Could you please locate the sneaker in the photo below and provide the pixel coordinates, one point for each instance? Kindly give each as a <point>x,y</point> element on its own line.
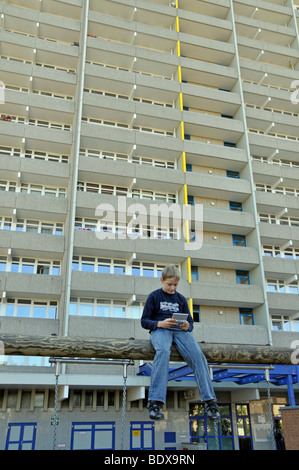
<point>155,410</point>
<point>212,410</point>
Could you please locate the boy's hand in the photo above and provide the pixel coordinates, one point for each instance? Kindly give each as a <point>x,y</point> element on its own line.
<point>185,326</point>
<point>167,323</point>
<point>171,323</point>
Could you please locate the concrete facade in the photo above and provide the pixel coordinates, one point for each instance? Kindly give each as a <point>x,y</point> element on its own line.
<point>110,104</point>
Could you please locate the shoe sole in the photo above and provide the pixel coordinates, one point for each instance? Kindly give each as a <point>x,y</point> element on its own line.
<point>156,418</point>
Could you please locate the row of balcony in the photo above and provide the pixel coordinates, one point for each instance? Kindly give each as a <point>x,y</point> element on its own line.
<point>267,11</point>
<point>205,253</point>
<point>123,287</point>
<point>264,45</point>
<point>200,185</point>
<point>217,25</point>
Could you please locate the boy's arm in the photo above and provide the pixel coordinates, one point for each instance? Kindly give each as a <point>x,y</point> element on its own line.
<point>146,318</point>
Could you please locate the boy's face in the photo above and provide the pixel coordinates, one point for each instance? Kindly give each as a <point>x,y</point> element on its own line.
<point>169,285</point>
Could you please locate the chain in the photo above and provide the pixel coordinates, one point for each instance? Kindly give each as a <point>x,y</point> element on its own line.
<point>123,416</point>
<point>216,434</point>
<point>271,417</point>
<point>55,412</point>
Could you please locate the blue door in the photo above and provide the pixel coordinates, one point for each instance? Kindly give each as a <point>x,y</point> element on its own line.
<point>142,435</point>
<point>204,430</point>
<point>21,436</point>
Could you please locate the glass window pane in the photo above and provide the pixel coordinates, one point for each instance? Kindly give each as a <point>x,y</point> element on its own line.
<point>226,427</point>
<point>227,444</point>
<point>9,310</point>
<point>119,270</point>
<point>103,310</point>
<point>148,272</point>
<point>197,409</point>
<point>104,268</point>
<point>87,267</point>
<point>197,427</point>
<point>86,310</point>
<point>52,312</point>
<point>82,440</point>
<point>14,267</point>
<point>119,312</point>
<point>23,311</point>
<point>39,312</point>
<point>27,268</point>
<point>73,309</point>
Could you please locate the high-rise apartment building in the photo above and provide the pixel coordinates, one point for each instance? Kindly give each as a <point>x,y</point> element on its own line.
<point>110,108</point>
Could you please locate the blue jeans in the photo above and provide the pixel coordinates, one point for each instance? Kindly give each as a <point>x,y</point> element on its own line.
<point>186,344</point>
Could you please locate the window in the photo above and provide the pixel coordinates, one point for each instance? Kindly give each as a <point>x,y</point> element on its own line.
<point>246,316</point>
<point>242,277</point>
<point>279,285</point>
<point>235,206</point>
<point>244,427</point>
<point>229,144</point>
<point>202,429</point>
<point>283,323</point>
<point>232,174</point>
<point>194,273</point>
<point>114,308</point>
<point>275,285</point>
<point>25,308</point>
<point>239,240</point>
<point>32,266</point>
<point>196,313</point>
<point>93,436</point>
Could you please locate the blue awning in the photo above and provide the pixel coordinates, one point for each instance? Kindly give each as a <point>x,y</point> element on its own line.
<point>240,374</point>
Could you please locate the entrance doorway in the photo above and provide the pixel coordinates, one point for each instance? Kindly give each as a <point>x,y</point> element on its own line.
<point>204,430</point>
<point>244,427</point>
<point>142,435</point>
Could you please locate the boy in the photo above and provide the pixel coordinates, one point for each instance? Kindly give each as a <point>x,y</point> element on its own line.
<point>157,317</point>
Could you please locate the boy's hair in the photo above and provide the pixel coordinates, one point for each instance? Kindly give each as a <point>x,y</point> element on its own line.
<point>171,271</point>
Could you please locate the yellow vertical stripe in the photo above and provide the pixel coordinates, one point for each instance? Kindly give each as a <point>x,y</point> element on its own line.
<point>181,101</point>
<point>185,193</point>
<point>184,162</point>
<point>178,48</point>
<point>182,130</point>
<point>189,270</point>
<point>191,306</point>
<point>180,74</point>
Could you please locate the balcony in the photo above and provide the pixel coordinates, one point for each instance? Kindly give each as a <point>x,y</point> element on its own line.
<point>215,156</point>
<point>277,204</point>
<point>278,235</point>
<point>138,176</point>
<point>37,286</point>
<point>226,295</point>
<point>217,187</point>
<point>34,207</point>
<point>266,11</point>
<point>226,257</point>
<point>33,245</point>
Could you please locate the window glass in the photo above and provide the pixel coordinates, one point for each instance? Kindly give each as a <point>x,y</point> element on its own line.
<point>23,311</point>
